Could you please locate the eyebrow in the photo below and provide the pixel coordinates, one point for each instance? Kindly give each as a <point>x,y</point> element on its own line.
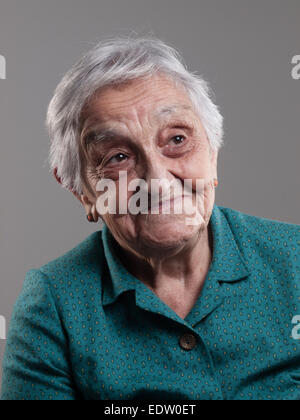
<point>98,135</point>
<point>171,109</point>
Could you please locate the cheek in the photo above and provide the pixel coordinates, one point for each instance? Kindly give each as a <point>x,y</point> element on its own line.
<point>112,205</point>
<point>122,228</point>
<point>196,166</point>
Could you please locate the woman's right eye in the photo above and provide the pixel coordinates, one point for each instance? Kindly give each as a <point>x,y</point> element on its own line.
<point>120,157</point>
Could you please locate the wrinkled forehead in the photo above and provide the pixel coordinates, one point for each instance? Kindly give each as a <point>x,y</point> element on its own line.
<point>157,98</point>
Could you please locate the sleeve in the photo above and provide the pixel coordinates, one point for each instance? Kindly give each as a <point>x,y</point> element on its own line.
<point>36,365</point>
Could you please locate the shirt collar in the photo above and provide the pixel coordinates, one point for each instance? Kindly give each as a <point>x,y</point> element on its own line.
<point>228,264</point>
<point>119,280</point>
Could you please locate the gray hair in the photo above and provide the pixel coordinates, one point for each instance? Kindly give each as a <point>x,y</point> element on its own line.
<point>116,61</point>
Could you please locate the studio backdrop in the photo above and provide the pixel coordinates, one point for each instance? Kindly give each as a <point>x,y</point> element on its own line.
<point>248,51</point>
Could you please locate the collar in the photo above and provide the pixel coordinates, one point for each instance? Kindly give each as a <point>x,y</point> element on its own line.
<point>119,280</point>
<point>228,264</point>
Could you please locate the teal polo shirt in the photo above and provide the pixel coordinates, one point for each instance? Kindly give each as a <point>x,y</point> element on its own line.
<point>85,328</point>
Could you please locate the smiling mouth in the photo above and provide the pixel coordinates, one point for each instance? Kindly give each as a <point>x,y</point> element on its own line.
<point>167,204</point>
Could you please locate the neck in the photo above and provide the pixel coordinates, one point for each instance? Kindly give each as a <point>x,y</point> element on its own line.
<point>184,271</point>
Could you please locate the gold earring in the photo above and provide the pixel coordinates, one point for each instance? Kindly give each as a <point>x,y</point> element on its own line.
<point>216,183</point>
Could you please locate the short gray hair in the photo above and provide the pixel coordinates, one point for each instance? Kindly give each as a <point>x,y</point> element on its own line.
<point>116,61</point>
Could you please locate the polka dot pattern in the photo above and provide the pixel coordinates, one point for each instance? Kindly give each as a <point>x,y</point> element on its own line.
<point>84,328</point>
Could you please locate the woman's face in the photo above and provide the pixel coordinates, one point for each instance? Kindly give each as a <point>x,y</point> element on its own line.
<point>148,129</point>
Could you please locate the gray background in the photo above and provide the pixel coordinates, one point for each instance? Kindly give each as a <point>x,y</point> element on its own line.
<point>244,48</point>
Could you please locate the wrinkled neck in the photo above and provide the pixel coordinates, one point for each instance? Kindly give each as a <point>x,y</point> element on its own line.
<point>186,266</point>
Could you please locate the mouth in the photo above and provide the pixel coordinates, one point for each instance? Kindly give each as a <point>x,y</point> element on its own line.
<point>168,206</point>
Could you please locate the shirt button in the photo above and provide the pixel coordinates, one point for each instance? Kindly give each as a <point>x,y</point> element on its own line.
<point>188,342</point>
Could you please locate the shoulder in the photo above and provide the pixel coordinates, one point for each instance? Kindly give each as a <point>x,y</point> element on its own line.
<point>87,255</point>
<point>65,283</point>
<point>72,270</point>
<point>243,222</point>
<point>265,238</point>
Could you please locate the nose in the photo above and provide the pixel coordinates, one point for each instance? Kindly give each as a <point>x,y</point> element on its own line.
<point>157,167</point>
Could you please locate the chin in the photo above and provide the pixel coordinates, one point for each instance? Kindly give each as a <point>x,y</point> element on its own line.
<point>161,232</point>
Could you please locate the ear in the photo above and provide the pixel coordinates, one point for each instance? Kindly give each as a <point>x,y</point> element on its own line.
<point>90,208</point>
<point>56,176</point>
<point>58,179</point>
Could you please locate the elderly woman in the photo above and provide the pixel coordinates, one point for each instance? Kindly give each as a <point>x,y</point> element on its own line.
<point>156,305</point>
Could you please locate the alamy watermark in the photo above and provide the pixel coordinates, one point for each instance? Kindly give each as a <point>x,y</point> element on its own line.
<point>2,67</point>
<point>162,196</point>
<point>296,67</point>
<point>2,328</point>
<point>296,329</point>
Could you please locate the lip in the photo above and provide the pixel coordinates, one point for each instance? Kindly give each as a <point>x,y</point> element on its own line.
<point>169,204</point>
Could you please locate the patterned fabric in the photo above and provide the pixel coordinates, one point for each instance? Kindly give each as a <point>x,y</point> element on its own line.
<point>84,328</point>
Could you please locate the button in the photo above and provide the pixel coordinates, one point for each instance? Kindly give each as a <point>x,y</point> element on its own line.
<point>188,342</point>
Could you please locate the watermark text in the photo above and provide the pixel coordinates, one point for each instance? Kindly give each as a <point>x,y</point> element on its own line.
<point>2,67</point>
<point>296,68</point>
<point>160,196</point>
<point>2,328</point>
<point>296,329</point>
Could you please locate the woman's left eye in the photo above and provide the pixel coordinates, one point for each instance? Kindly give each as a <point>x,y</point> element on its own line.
<point>178,140</point>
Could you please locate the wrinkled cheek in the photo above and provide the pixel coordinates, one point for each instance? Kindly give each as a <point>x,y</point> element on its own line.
<point>205,197</point>
<point>112,206</point>
<point>203,191</point>
<point>209,194</point>
<point>197,165</point>
<point>123,229</point>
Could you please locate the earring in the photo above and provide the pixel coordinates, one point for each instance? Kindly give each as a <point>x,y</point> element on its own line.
<point>90,218</point>
<point>216,183</point>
